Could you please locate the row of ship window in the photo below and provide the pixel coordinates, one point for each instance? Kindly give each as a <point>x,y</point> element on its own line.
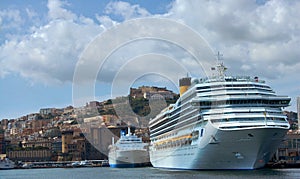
<point>249,119</point>
<point>175,119</point>
<point>131,140</point>
<point>185,103</point>
<point>238,91</point>
<point>173,144</point>
<point>180,111</point>
<point>235,85</point>
<point>175,125</point>
<point>181,142</point>
<point>246,101</point>
<point>166,136</point>
<point>182,101</point>
<point>176,110</point>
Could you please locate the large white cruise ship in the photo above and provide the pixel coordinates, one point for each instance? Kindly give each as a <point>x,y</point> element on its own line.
<point>128,151</point>
<point>221,122</point>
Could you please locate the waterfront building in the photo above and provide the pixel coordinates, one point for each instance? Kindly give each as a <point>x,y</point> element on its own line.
<point>39,142</point>
<point>29,155</point>
<point>66,139</point>
<point>2,142</point>
<point>298,111</point>
<point>289,150</point>
<point>57,145</point>
<point>77,148</point>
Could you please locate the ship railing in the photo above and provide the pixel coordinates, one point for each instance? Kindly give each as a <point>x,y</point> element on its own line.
<point>251,124</point>
<point>240,116</point>
<point>169,124</point>
<point>173,142</point>
<point>245,118</point>
<point>236,78</point>
<point>242,110</point>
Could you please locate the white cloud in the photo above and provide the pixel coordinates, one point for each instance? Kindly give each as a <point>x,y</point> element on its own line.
<point>256,38</point>
<point>48,55</point>
<point>10,18</point>
<point>31,13</point>
<point>56,11</point>
<point>250,34</point>
<point>269,32</point>
<point>126,10</point>
<point>105,21</point>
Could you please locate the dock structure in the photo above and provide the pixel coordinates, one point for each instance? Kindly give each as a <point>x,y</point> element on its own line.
<point>65,164</point>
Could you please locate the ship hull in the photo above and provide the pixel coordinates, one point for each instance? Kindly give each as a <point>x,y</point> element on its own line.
<point>249,148</point>
<point>128,158</point>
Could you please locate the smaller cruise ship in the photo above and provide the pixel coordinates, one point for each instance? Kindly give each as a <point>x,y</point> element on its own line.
<point>6,164</point>
<point>128,151</point>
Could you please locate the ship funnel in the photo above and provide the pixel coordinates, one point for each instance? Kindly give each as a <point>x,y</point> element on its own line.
<point>184,84</point>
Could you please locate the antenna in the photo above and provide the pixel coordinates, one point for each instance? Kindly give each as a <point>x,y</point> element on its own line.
<point>219,55</point>
<point>220,66</point>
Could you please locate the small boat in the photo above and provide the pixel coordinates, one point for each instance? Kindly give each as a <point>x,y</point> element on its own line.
<point>6,164</point>
<point>27,165</point>
<point>85,163</point>
<point>75,164</point>
<point>105,163</point>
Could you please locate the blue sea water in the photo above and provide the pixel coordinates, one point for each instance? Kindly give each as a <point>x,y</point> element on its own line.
<point>149,172</point>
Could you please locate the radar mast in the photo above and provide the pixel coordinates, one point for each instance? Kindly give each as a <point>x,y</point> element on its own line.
<point>220,66</point>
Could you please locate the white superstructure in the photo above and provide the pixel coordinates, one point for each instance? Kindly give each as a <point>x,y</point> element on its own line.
<point>6,164</point>
<point>128,151</point>
<point>221,122</point>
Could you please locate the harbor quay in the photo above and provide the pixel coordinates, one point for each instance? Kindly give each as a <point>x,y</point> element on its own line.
<point>62,164</point>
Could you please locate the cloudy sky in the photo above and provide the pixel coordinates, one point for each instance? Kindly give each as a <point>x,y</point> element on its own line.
<point>41,43</point>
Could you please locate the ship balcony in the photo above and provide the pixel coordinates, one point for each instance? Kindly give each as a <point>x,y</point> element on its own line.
<point>231,125</point>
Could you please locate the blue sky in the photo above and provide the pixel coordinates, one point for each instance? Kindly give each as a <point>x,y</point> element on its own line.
<point>21,95</point>
<point>41,42</point>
